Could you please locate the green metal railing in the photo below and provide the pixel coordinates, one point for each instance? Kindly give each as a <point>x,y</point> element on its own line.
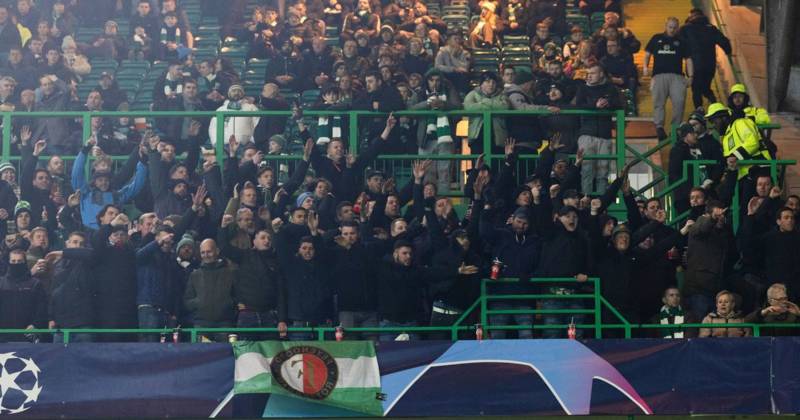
<point>482,303</point>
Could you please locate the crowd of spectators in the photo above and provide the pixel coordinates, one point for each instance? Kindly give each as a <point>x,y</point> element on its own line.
<point>173,236</point>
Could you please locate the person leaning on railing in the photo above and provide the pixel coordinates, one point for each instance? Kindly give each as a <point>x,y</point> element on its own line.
<point>777,310</point>
<point>726,314</point>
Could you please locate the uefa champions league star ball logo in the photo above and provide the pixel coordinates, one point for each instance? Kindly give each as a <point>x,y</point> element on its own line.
<point>19,383</point>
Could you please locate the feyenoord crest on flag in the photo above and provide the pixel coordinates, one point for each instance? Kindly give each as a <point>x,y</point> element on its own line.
<point>339,374</point>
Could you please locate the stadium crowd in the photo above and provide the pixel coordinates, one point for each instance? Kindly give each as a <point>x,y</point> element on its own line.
<point>172,236</point>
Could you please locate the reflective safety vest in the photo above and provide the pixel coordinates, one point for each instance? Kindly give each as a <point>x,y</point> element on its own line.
<point>743,140</point>
<point>759,115</point>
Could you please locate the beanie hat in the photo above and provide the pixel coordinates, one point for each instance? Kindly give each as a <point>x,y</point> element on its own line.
<point>619,229</point>
<point>186,239</point>
<point>522,75</point>
<point>302,197</point>
<point>697,116</point>
<point>280,139</point>
<point>21,206</point>
<point>7,165</point>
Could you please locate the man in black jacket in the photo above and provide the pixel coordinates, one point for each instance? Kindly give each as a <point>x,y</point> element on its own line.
<point>353,271</point>
<point>595,133</point>
<point>260,291</point>
<point>72,296</point>
<point>379,97</point>
<point>703,38</point>
<point>685,149</point>
<point>9,34</point>
<point>401,295</point>
<point>516,249</point>
<point>23,303</point>
<point>308,279</point>
<point>565,254</point>
<point>114,276</point>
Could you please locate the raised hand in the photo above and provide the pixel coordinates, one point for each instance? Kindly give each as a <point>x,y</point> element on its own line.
<point>554,190</point>
<point>257,158</point>
<point>313,222</point>
<point>226,220</point>
<point>350,159</point>
<point>194,128</point>
<point>233,145</point>
<point>38,148</point>
<point>388,186</point>
<point>555,142</point>
<point>199,197</point>
<point>479,161</point>
<point>236,190</point>
<point>753,205</point>
<point>307,149</point>
<point>25,135</point>
<point>775,192</point>
<point>479,185</point>
<point>74,199</point>
<point>509,146</point>
<point>594,206</point>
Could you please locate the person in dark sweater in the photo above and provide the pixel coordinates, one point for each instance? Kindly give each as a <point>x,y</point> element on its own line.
<point>685,149</point>
<point>595,133</point>
<point>260,291</point>
<point>23,303</point>
<point>72,297</point>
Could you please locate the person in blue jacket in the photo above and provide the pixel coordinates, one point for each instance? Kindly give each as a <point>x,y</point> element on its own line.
<point>96,193</point>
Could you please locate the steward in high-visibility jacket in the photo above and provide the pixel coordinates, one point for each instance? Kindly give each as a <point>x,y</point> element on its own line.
<point>739,103</point>
<point>739,138</point>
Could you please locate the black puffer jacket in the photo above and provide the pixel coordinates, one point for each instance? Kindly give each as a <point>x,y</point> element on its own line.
<point>703,37</point>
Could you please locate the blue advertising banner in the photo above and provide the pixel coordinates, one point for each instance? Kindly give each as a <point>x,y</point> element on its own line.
<point>492,377</point>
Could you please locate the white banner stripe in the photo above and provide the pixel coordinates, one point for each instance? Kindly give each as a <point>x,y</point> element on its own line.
<point>361,372</point>
<point>250,365</point>
<point>358,373</point>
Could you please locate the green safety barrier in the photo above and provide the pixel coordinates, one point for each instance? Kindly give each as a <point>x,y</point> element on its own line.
<point>482,303</point>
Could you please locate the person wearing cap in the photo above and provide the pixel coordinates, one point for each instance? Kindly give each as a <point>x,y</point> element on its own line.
<point>96,192</point>
<point>595,131</point>
<point>112,96</point>
<point>686,148</point>
<point>238,129</point>
<point>615,266</point>
<point>740,106</point>
<point>703,39</point>
<point>434,133</point>
<point>709,145</point>
<point>8,187</point>
<point>565,254</point>
<point>453,60</point>
<point>488,95</point>
<point>710,256</point>
<point>740,138</point>
<point>110,44</point>
<point>521,97</point>
<point>515,247</point>
<point>670,52</point>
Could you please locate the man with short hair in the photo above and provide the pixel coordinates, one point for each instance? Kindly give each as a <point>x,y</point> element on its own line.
<point>710,255</point>
<point>23,303</point>
<point>595,132</point>
<point>72,296</point>
<point>209,294</point>
<point>672,313</point>
<point>778,309</point>
<point>670,51</point>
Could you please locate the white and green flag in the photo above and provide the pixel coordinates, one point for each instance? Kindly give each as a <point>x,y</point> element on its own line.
<point>341,374</point>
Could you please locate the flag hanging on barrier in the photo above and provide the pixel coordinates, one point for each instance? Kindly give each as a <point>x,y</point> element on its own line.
<point>339,374</point>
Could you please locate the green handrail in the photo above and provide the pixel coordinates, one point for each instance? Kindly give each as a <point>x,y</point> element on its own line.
<point>595,296</point>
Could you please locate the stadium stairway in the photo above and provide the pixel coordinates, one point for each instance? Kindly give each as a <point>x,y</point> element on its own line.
<point>646,18</point>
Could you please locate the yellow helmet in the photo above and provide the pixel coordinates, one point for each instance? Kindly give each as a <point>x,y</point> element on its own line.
<point>739,88</point>
<point>716,108</point>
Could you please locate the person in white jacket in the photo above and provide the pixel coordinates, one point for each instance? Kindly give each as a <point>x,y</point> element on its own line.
<point>240,127</point>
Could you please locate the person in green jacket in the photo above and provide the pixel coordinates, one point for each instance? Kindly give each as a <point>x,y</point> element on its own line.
<point>209,291</point>
<point>487,96</point>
